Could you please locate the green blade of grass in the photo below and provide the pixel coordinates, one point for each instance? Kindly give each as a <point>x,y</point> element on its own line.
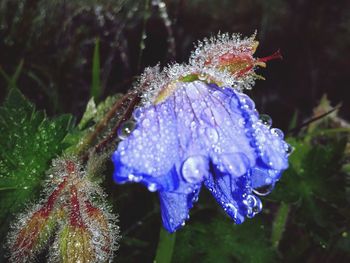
<point>96,89</point>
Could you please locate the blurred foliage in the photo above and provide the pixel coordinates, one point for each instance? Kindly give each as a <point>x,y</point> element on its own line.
<point>56,40</point>
<point>221,241</point>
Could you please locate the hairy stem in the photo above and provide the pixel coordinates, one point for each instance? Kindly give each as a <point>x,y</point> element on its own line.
<point>87,143</point>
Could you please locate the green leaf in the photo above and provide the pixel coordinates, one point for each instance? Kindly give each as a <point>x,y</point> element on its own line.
<point>91,117</point>
<point>28,142</point>
<point>96,88</point>
<point>223,241</point>
<point>89,114</point>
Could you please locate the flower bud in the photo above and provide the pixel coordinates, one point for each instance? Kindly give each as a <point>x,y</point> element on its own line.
<point>35,231</point>
<point>75,245</point>
<point>103,238</point>
<point>75,239</point>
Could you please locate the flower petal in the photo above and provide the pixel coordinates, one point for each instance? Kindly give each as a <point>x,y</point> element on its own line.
<point>175,208</point>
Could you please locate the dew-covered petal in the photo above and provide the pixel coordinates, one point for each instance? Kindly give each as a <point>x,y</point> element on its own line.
<point>175,208</point>
<point>269,143</point>
<point>221,130</point>
<point>146,150</point>
<point>225,190</point>
<point>203,133</point>
<point>235,164</point>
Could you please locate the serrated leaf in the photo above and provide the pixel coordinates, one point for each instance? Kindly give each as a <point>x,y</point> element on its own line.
<point>28,142</point>
<point>313,171</point>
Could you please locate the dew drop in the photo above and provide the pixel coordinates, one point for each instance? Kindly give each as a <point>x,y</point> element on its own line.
<point>212,134</point>
<point>253,204</point>
<point>152,187</point>
<point>241,122</point>
<point>137,114</point>
<point>234,102</point>
<point>263,190</point>
<point>277,132</point>
<point>246,102</point>
<point>289,148</point>
<point>202,76</point>
<point>146,123</point>
<point>265,119</point>
<point>235,164</point>
<point>195,168</point>
<point>126,129</point>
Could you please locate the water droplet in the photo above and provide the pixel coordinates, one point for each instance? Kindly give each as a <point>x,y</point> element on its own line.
<point>202,76</point>
<point>241,122</point>
<point>289,148</point>
<point>195,168</point>
<point>212,134</point>
<point>146,123</point>
<point>246,102</point>
<point>134,178</point>
<point>265,119</point>
<point>126,129</point>
<point>235,164</point>
<point>234,102</point>
<point>152,187</point>
<point>277,132</point>
<point>264,189</point>
<point>137,114</point>
<point>253,204</point>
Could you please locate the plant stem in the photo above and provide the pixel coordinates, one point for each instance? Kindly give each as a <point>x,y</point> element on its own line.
<point>279,224</point>
<point>165,247</point>
<point>86,144</point>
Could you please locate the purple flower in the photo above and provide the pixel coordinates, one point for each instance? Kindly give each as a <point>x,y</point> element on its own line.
<point>202,133</point>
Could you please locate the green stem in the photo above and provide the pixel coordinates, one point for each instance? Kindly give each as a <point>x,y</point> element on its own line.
<point>165,247</point>
<point>279,224</point>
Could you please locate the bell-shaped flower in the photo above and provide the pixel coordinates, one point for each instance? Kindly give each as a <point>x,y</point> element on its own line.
<point>199,134</point>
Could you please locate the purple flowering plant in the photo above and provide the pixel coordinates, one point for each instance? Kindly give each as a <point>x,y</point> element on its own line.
<point>195,126</point>
<point>181,128</point>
